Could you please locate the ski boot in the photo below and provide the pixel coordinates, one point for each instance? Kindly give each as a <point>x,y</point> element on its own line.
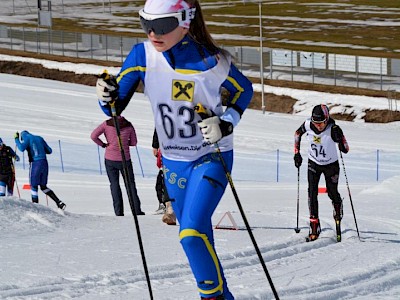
<point>61,205</point>
<point>161,209</point>
<point>337,216</point>
<point>315,230</point>
<point>169,215</point>
<point>52,195</point>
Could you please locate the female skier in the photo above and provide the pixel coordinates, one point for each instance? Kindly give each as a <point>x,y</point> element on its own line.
<point>181,66</point>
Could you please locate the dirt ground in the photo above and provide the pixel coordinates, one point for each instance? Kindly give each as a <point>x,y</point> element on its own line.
<point>274,103</point>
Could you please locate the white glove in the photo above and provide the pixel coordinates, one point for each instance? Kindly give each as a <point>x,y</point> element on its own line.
<point>107,90</point>
<point>210,129</point>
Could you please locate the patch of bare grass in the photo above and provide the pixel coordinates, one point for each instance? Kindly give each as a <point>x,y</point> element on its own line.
<point>309,23</point>
<point>274,103</point>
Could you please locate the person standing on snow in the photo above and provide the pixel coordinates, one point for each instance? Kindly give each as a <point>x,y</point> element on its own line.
<point>7,171</point>
<point>160,176</point>
<point>181,67</point>
<point>165,205</point>
<point>113,160</point>
<point>37,149</point>
<point>322,135</point>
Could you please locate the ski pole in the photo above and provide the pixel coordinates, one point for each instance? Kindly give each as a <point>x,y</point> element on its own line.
<point>348,189</point>
<point>14,173</point>
<point>204,113</point>
<point>129,190</point>
<point>16,184</point>
<point>15,180</point>
<point>297,229</point>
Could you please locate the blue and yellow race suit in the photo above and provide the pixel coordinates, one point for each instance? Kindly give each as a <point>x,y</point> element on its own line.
<point>175,81</point>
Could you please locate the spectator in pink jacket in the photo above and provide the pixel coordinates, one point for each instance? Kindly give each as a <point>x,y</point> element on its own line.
<point>113,159</point>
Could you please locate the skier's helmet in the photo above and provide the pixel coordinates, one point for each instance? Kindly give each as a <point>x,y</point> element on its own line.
<point>320,114</point>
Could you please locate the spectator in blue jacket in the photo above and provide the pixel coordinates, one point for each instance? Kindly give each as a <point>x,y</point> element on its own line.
<point>37,149</point>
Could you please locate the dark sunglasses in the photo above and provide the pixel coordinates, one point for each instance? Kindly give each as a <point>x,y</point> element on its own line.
<point>159,26</point>
<point>164,23</point>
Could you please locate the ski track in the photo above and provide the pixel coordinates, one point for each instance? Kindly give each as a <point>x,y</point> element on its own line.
<point>245,263</point>
<point>237,264</point>
<point>116,282</point>
<point>112,275</point>
<point>361,283</point>
<point>121,282</point>
<point>296,249</point>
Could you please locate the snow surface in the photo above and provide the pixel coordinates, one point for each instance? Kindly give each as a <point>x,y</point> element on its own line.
<point>86,252</point>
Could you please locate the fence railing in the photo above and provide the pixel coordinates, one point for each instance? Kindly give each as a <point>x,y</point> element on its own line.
<point>375,73</point>
<point>269,166</point>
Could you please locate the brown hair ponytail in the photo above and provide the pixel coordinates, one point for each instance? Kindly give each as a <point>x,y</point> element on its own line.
<point>198,29</point>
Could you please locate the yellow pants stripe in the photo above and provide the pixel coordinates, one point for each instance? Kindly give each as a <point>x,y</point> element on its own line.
<point>194,233</point>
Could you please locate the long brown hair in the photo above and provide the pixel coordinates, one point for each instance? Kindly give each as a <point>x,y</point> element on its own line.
<point>198,29</point>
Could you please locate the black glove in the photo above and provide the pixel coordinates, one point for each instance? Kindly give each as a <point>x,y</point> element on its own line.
<point>16,135</point>
<point>297,160</point>
<point>336,134</point>
<point>107,88</point>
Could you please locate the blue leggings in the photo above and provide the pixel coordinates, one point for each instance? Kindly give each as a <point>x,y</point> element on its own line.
<point>195,189</point>
<point>38,175</point>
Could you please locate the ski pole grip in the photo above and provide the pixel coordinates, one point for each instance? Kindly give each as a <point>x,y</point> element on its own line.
<point>113,110</point>
<point>203,112</point>
<point>106,76</point>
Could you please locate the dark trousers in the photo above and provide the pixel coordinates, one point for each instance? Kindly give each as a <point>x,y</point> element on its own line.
<point>160,186</point>
<point>114,168</point>
<point>8,179</point>
<point>331,173</point>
